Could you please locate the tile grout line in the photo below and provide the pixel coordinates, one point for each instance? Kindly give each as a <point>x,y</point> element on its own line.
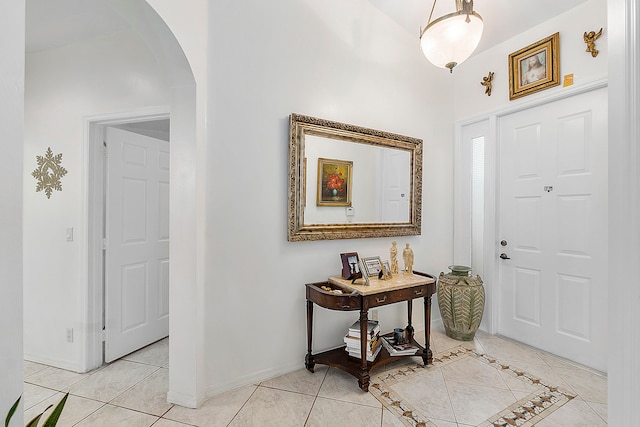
<point>131,387</point>
<point>243,405</point>
<point>91,413</point>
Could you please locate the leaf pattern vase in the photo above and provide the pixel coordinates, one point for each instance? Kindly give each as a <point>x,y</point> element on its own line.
<point>461,302</point>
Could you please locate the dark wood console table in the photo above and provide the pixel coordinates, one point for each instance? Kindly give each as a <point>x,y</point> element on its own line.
<point>357,296</point>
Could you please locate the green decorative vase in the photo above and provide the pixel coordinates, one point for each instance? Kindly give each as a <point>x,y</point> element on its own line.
<point>461,302</point>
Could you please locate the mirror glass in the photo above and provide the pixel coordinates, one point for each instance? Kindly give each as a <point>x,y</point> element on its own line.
<point>350,182</point>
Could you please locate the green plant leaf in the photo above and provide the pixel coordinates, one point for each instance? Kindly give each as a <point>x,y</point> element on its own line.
<point>55,415</point>
<point>11,412</point>
<point>34,422</point>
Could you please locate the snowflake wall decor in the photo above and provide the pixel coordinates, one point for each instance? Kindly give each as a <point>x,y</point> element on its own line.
<point>49,172</point>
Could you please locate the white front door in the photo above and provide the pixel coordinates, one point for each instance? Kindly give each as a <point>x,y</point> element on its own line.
<point>553,227</point>
<point>137,242</point>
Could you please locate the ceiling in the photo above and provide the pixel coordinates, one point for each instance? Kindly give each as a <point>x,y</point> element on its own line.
<point>52,24</point>
<point>503,19</point>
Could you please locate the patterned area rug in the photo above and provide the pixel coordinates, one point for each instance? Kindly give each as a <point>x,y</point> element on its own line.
<point>523,413</point>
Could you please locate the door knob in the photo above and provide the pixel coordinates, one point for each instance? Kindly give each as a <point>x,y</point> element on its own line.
<point>504,256</point>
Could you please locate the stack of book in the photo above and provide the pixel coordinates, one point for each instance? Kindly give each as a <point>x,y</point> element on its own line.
<point>397,349</point>
<point>352,339</point>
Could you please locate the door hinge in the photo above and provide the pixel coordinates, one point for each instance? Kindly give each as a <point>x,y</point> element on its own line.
<point>105,151</point>
<point>104,244</point>
<point>104,335</point>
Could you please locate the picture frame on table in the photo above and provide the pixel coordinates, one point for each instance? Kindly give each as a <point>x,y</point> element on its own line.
<point>363,273</point>
<point>373,266</point>
<point>350,265</point>
<point>386,270</point>
<point>535,67</point>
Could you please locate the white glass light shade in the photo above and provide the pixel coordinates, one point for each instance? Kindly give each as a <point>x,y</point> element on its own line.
<point>450,39</point>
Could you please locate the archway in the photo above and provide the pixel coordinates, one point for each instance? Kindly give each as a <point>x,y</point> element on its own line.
<point>183,205</point>
<point>157,41</point>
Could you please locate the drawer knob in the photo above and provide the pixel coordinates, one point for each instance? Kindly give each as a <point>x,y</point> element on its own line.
<point>418,292</point>
<point>378,300</point>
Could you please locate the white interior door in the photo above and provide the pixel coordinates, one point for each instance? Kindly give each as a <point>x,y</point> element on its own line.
<point>395,185</point>
<point>553,222</point>
<point>137,242</point>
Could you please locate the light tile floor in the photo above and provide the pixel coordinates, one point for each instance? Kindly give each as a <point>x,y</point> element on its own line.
<point>132,392</point>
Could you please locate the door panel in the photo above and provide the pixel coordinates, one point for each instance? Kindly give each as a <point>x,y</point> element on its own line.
<point>553,214</point>
<point>137,249</point>
<point>134,286</point>
<point>527,296</point>
<point>574,294</point>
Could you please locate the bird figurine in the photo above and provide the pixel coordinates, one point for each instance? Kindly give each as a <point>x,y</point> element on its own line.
<point>486,82</point>
<point>590,39</point>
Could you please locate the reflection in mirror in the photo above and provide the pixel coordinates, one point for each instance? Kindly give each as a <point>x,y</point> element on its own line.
<point>351,182</point>
<point>380,182</point>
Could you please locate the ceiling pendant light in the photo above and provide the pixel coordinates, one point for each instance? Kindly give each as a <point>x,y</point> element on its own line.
<point>452,38</point>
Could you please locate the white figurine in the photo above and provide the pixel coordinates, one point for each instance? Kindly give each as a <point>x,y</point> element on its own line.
<point>407,256</point>
<point>394,257</point>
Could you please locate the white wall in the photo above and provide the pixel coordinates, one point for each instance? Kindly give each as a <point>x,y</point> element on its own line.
<point>12,27</point>
<point>624,206</point>
<point>263,62</point>
<point>469,96</point>
<point>63,85</point>
<point>180,39</point>
<point>342,61</point>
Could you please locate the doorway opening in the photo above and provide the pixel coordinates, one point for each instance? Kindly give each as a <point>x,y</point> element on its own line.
<point>104,325</point>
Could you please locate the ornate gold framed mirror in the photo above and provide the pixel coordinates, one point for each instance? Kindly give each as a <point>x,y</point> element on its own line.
<point>348,182</point>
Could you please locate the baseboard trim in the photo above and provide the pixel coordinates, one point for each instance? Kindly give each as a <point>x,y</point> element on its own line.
<point>253,378</point>
<point>56,363</point>
<point>181,399</point>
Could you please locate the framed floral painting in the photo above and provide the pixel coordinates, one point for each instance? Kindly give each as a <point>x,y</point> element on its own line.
<point>334,182</point>
<point>535,67</point>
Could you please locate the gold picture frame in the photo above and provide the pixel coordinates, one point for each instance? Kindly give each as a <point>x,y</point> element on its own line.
<point>535,67</point>
<point>334,182</point>
<point>386,270</point>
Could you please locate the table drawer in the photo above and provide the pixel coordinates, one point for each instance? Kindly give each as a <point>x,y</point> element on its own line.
<point>324,294</point>
<point>394,296</point>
